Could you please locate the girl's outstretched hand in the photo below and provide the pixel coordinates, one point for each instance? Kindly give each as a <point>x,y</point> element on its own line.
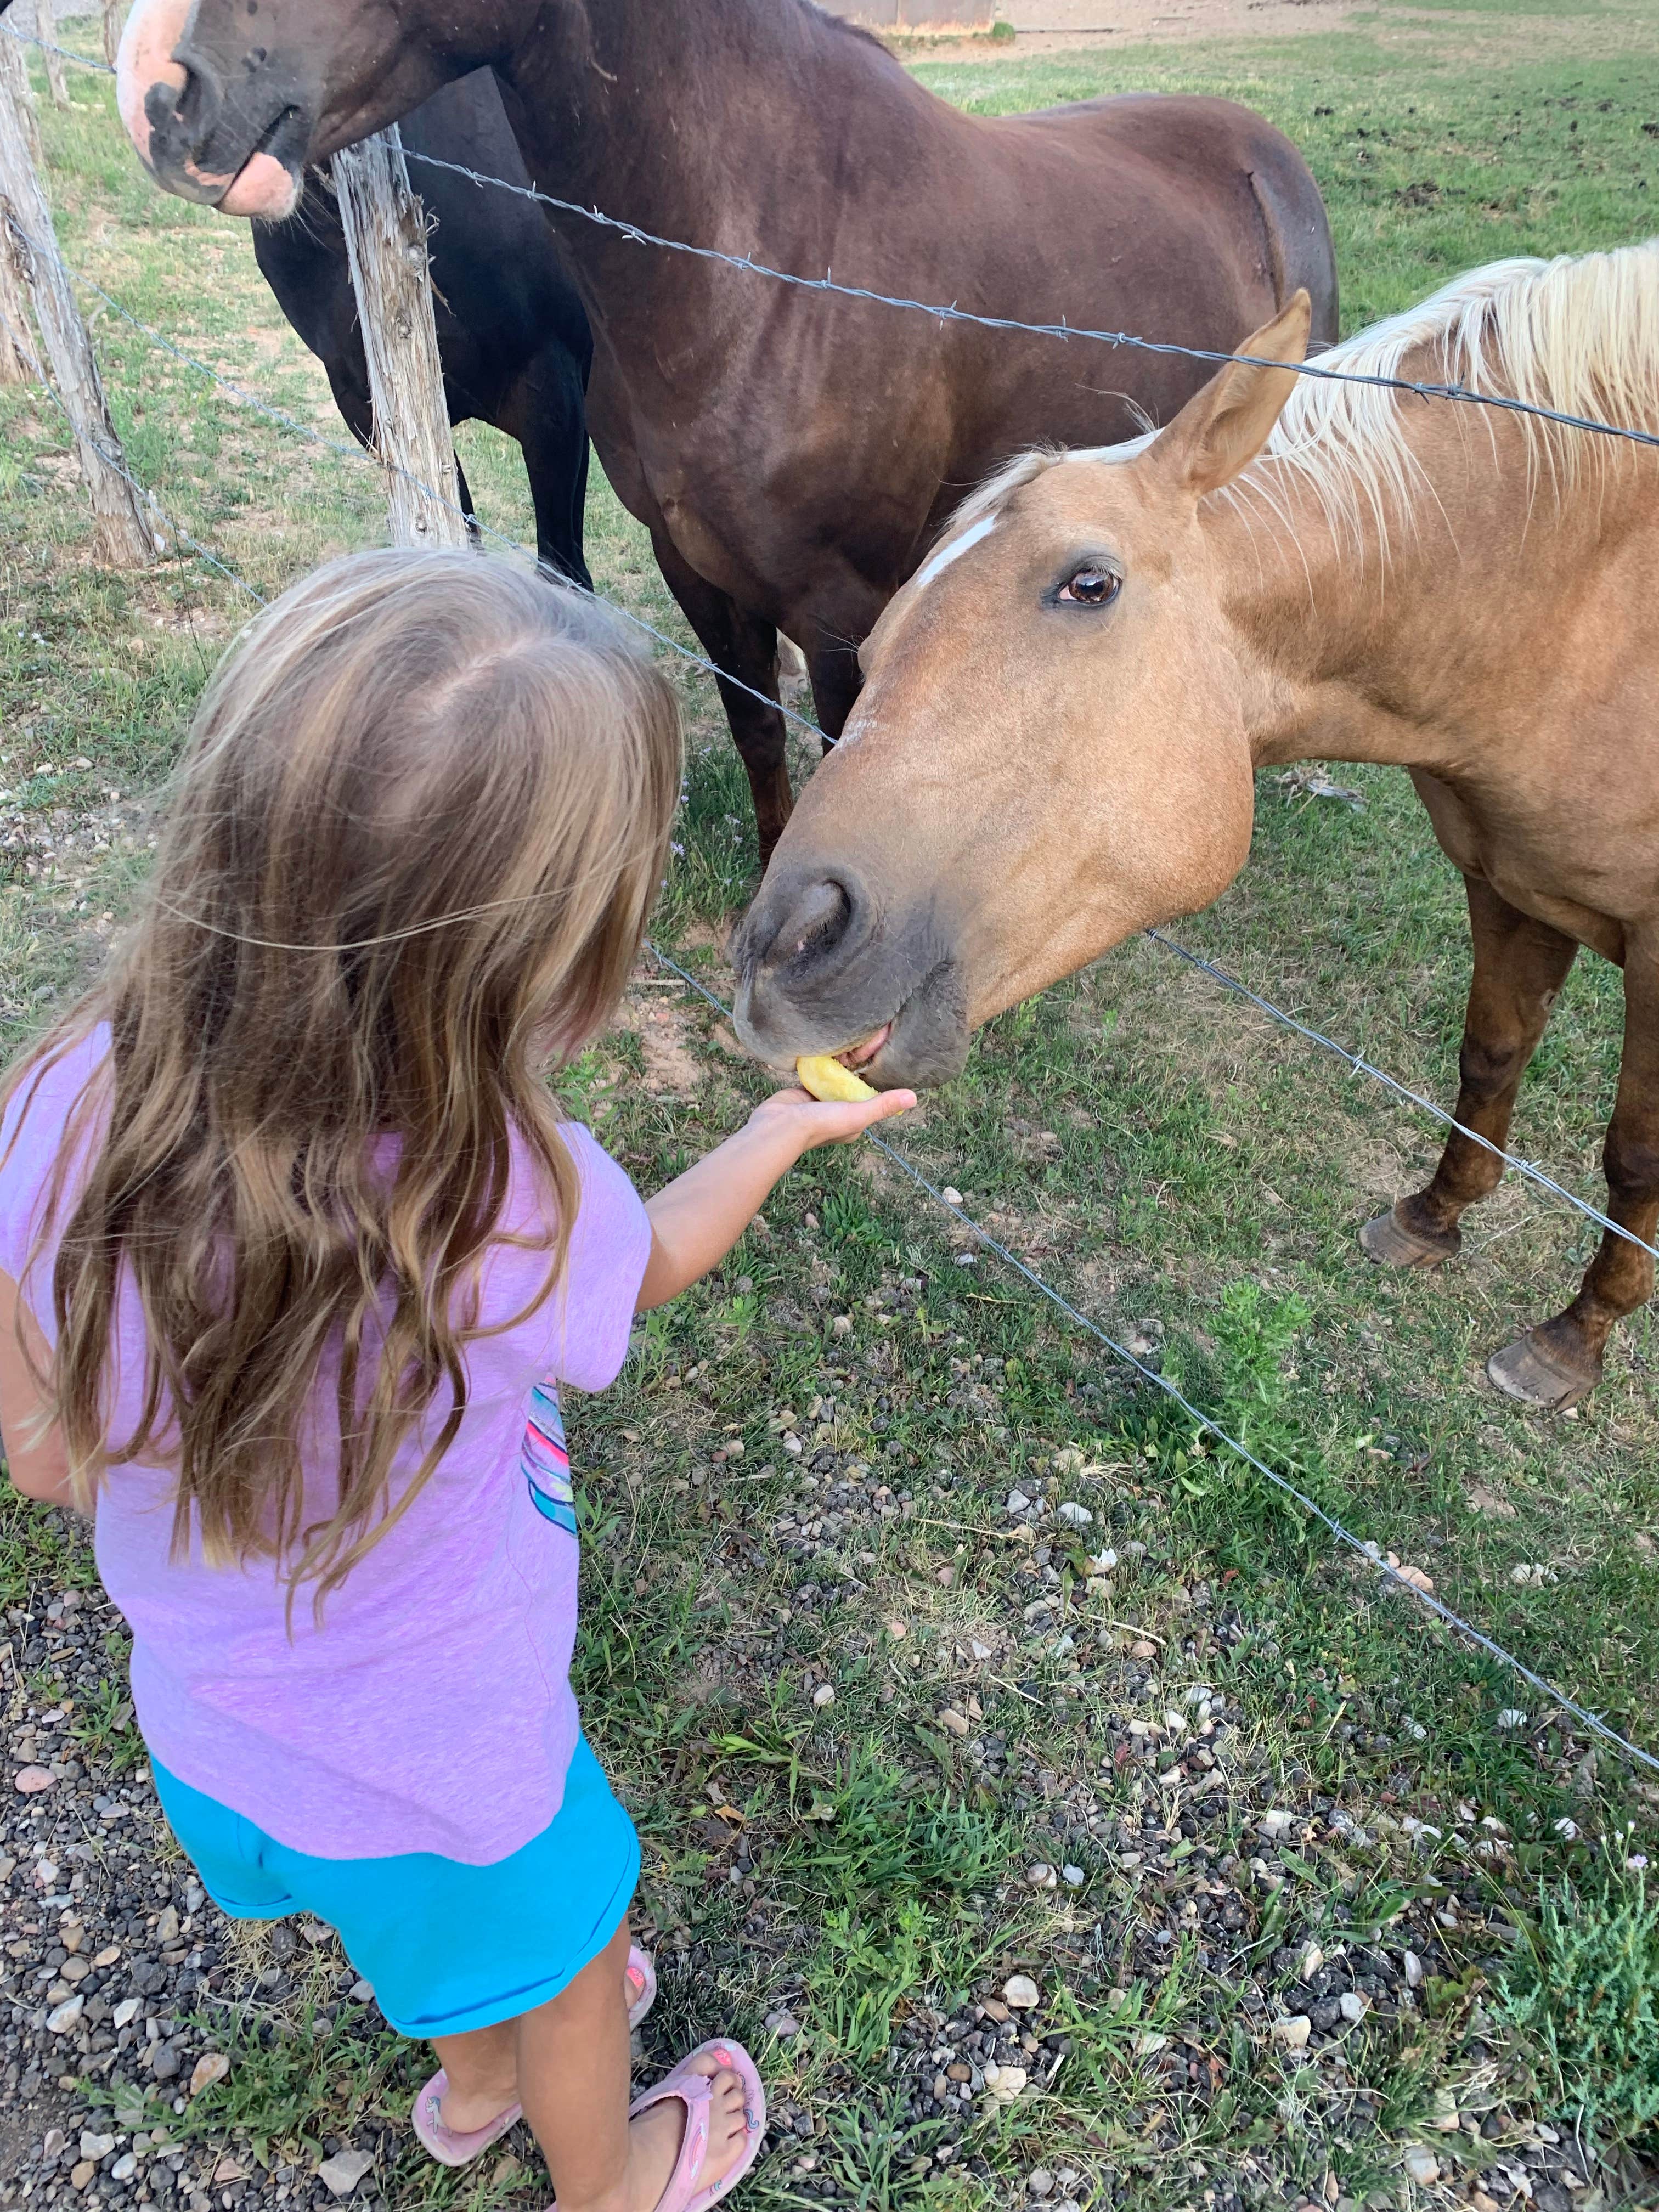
<point>807,1122</point>
<point>697,1220</point>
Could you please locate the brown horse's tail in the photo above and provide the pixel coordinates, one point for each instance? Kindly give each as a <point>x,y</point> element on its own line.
<point>1297,237</point>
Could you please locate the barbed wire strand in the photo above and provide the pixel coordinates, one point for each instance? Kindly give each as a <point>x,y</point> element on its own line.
<point>1370,1552</point>
<point>1213,1428</point>
<point>1361,1066</point>
<point>1419,388</point>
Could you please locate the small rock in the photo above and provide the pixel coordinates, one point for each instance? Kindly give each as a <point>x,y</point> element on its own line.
<point>1310,1963</point>
<point>56,2143</point>
<point>125,2167</point>
<point>95,2146</point>
<point>315,1932</point>
<point>1005,2082</point>
<point>1353,2006</point>
<point>1039,2182</point>
<point>29,1779</point>
<point>1140,1648</point>
<point>341,2174</point>
<point>1079,1515</point>
<point>842,1325</point>
<point>1041,1876</point>
<point>126,2011</point>
<point>897,1631</point>
<point>1413,1967</point>
<point>212,2066</point>
<point>1072,1876</point>
<point>1021,1993</point>
<point>1018,1502</point>
<point>167,1928</point>
<point>824,1695</point>
<point>950,1196</point>
<point>82,2173</point>
<point>1511,1718</point>
<point>164,2061</point>
<point>1421,2165</point>
<point>361,1992</point>
<point>1275,1825</point>
<point>1292,2032</point>
<point>63,2017</point>
<point>953,1722</point>
<point>783,2025</point>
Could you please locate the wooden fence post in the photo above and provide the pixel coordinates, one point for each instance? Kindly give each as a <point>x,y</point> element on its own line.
<point>46,30</point>
<point>115,16</point>
<point>385,227</point>
<point>18,361</point>
<point>124,533</point>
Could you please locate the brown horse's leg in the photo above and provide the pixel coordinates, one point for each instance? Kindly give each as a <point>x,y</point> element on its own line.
<point>1520,964</point>
<point>1554,1364</point>
<point>835,682</point>
<point>744,647</point>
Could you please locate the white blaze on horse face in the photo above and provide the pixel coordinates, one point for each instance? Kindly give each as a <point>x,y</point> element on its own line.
<point>262,186</point>
<point>153,30</point>
<point>939,562</point>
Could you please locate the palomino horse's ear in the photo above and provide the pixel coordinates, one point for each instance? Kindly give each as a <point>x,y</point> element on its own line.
<point>1222,428</point>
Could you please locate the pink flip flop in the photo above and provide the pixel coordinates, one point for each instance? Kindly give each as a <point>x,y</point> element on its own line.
<point>448,2145</point>
<point>694,2091</point>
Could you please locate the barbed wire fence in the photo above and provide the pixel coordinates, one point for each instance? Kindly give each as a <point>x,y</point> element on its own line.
<point>1392,1575</point>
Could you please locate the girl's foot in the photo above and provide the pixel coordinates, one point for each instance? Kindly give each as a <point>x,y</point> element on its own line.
<point>656,2137</point>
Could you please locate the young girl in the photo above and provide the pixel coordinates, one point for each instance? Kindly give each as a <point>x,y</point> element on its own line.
<point>295,1253</point>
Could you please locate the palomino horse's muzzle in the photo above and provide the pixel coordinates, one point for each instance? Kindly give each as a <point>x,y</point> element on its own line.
<point>823,964</point>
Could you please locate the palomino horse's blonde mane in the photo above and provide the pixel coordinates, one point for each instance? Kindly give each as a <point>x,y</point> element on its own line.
<point>1579,334</point>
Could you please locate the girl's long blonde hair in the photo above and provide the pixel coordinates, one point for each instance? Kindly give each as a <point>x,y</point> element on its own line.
<point>416,834</point>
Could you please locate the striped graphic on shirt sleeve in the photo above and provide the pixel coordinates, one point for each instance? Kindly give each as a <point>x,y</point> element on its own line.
<point>545,1461</point>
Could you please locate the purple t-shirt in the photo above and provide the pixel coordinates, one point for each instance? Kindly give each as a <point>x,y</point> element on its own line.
<point>432,1711</point>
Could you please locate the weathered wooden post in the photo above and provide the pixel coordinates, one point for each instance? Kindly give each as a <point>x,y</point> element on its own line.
<point>18,363</point>
<point>46,30</point>
<point>385,227</point>
<point>115,16</point>
<point>123,534</point>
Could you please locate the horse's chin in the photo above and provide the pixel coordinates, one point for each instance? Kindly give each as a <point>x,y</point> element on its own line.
<point>263,189</point>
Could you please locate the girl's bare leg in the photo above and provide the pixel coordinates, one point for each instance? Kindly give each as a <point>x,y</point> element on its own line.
<point>573,2080</point>
<point>483,2068</point>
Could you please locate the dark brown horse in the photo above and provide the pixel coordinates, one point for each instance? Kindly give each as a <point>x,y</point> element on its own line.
<point>792,455</point>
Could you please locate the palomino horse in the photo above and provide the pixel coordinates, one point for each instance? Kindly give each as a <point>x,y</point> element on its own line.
<point>1062,710</point>
<point>791,453</point>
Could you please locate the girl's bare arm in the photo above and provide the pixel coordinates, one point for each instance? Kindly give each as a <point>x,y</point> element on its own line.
<point>33,1443</point>
<point>698,1218</point>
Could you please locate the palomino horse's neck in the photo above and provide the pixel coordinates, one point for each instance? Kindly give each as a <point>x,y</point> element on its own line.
<point>1404,623</point>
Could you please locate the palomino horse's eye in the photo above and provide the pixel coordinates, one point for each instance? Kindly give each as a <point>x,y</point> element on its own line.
<point>1090,587</point>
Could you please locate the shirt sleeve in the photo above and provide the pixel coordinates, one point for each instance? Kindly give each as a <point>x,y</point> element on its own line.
<point>609,1247</point>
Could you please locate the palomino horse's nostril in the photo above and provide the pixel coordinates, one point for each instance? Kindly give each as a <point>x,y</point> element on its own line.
<point>815,923</point>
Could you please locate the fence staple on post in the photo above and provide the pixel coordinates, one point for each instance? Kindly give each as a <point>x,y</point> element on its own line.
<point>124,533</point>
<point>386,236</point>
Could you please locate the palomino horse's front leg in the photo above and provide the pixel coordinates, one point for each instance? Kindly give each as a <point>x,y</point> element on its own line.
<point>1555,1363</point>
<point>1520,965</point>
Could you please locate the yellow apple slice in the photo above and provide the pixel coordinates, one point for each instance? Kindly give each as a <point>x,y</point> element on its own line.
<point>826,1078</point>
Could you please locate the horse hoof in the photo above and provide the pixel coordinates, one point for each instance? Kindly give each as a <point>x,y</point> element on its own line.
<point>1531,1371</point>
<point>1394,1242</point>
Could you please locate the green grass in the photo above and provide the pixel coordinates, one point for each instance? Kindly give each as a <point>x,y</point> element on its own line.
<point>1188,1174</point>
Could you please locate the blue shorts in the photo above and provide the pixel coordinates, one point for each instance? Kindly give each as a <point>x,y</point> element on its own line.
<point>447,1947</point>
